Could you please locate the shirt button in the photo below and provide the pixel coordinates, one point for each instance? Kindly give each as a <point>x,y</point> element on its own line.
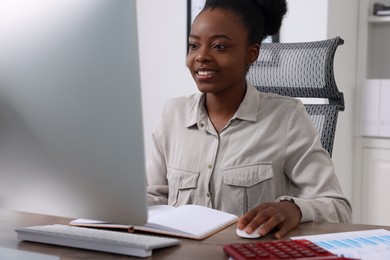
<point>210,166</point>
<point>201,125</point>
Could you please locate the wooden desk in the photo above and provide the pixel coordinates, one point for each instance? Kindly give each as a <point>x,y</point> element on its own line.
<point>210,248</point>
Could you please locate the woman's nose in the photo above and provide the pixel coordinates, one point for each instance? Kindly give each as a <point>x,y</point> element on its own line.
<point>202,55</point>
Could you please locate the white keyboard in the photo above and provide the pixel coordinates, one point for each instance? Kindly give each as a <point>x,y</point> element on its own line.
<point>96,239</point>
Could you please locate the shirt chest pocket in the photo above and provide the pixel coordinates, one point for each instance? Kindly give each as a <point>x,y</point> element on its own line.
<point>182,186</point>
<point>245,187</point>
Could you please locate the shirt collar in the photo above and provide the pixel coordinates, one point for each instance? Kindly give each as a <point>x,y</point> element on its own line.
<point>247,111</point>
<point>249,106</point>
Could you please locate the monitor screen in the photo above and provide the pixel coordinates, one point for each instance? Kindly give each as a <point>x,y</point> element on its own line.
<point>71,137</point>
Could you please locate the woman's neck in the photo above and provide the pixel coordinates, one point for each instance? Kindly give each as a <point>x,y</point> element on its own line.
<point>221,108</point>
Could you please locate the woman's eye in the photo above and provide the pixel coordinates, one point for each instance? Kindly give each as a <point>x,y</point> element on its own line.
<point>192,46</point>
<point>220,47</point>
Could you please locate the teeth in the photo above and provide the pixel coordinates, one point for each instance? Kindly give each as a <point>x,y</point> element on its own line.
<point>205,73</point>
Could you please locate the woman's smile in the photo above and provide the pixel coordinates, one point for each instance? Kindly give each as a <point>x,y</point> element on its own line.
<point>203,74</point>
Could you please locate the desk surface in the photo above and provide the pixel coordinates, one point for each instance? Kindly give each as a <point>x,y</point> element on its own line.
<point>210,248</point>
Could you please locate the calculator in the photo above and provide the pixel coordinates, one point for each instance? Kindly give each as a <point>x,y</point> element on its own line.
<point>278,249</point>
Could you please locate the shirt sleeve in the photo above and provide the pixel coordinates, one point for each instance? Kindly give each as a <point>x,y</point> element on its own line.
<point>314,184</point>
<point>157,184</point>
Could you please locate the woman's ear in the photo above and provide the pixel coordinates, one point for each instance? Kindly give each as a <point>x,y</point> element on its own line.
<point>253,53</point>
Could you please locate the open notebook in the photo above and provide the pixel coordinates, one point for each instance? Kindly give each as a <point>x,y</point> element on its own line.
<point>189,221</point>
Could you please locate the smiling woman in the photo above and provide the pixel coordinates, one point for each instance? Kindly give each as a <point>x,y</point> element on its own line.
<point>218,58</point>
<point>233,148</point>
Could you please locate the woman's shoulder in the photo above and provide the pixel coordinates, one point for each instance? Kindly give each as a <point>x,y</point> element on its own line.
<point>182,104</point>
<point>276,100</point>
<point>183,101</point>
<point>277,97</point>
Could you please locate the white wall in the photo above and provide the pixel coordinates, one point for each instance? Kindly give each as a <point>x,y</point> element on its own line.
<point>306,20</point>
<point>163,32</point>
<point>343,21</point>
<point>163,47</point>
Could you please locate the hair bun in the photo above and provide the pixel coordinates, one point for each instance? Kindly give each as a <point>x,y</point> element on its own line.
<point>273,11</point>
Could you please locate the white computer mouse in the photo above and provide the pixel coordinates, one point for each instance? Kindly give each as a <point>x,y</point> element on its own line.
<point>244,234</point>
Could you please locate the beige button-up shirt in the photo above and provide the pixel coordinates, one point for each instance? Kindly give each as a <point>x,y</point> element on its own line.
<point>268,151</point>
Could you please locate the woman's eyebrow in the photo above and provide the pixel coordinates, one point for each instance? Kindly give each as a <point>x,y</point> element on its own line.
<point>217,36</point>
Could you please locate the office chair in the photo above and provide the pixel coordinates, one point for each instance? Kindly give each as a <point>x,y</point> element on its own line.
<point>303,70</point>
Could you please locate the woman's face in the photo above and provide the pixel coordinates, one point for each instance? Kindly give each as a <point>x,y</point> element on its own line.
<point>219,54</point>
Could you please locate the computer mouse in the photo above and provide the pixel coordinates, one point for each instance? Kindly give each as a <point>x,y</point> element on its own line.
<point>244,234</point>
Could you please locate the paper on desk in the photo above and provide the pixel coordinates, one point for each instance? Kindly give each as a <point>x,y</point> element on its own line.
<point>365,245</point>
<point>189,221</point>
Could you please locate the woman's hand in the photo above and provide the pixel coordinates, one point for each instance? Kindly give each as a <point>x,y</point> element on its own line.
<point>284,216</point>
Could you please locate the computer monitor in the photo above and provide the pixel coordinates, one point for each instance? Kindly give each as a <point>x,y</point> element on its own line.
<point>71,137</point>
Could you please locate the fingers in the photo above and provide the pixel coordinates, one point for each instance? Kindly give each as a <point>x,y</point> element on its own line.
<point>282,216</point>
<point>269,219</point>
<point>265,215</point>
<point>283,231</point>
<point>247,218</point>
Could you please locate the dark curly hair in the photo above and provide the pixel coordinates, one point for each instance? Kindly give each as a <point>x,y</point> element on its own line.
<point>261,18</point>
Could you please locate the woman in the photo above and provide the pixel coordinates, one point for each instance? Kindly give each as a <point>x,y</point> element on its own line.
<point>233,148</point>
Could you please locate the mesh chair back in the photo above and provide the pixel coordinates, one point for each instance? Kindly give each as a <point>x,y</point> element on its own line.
<point>303,70</point>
